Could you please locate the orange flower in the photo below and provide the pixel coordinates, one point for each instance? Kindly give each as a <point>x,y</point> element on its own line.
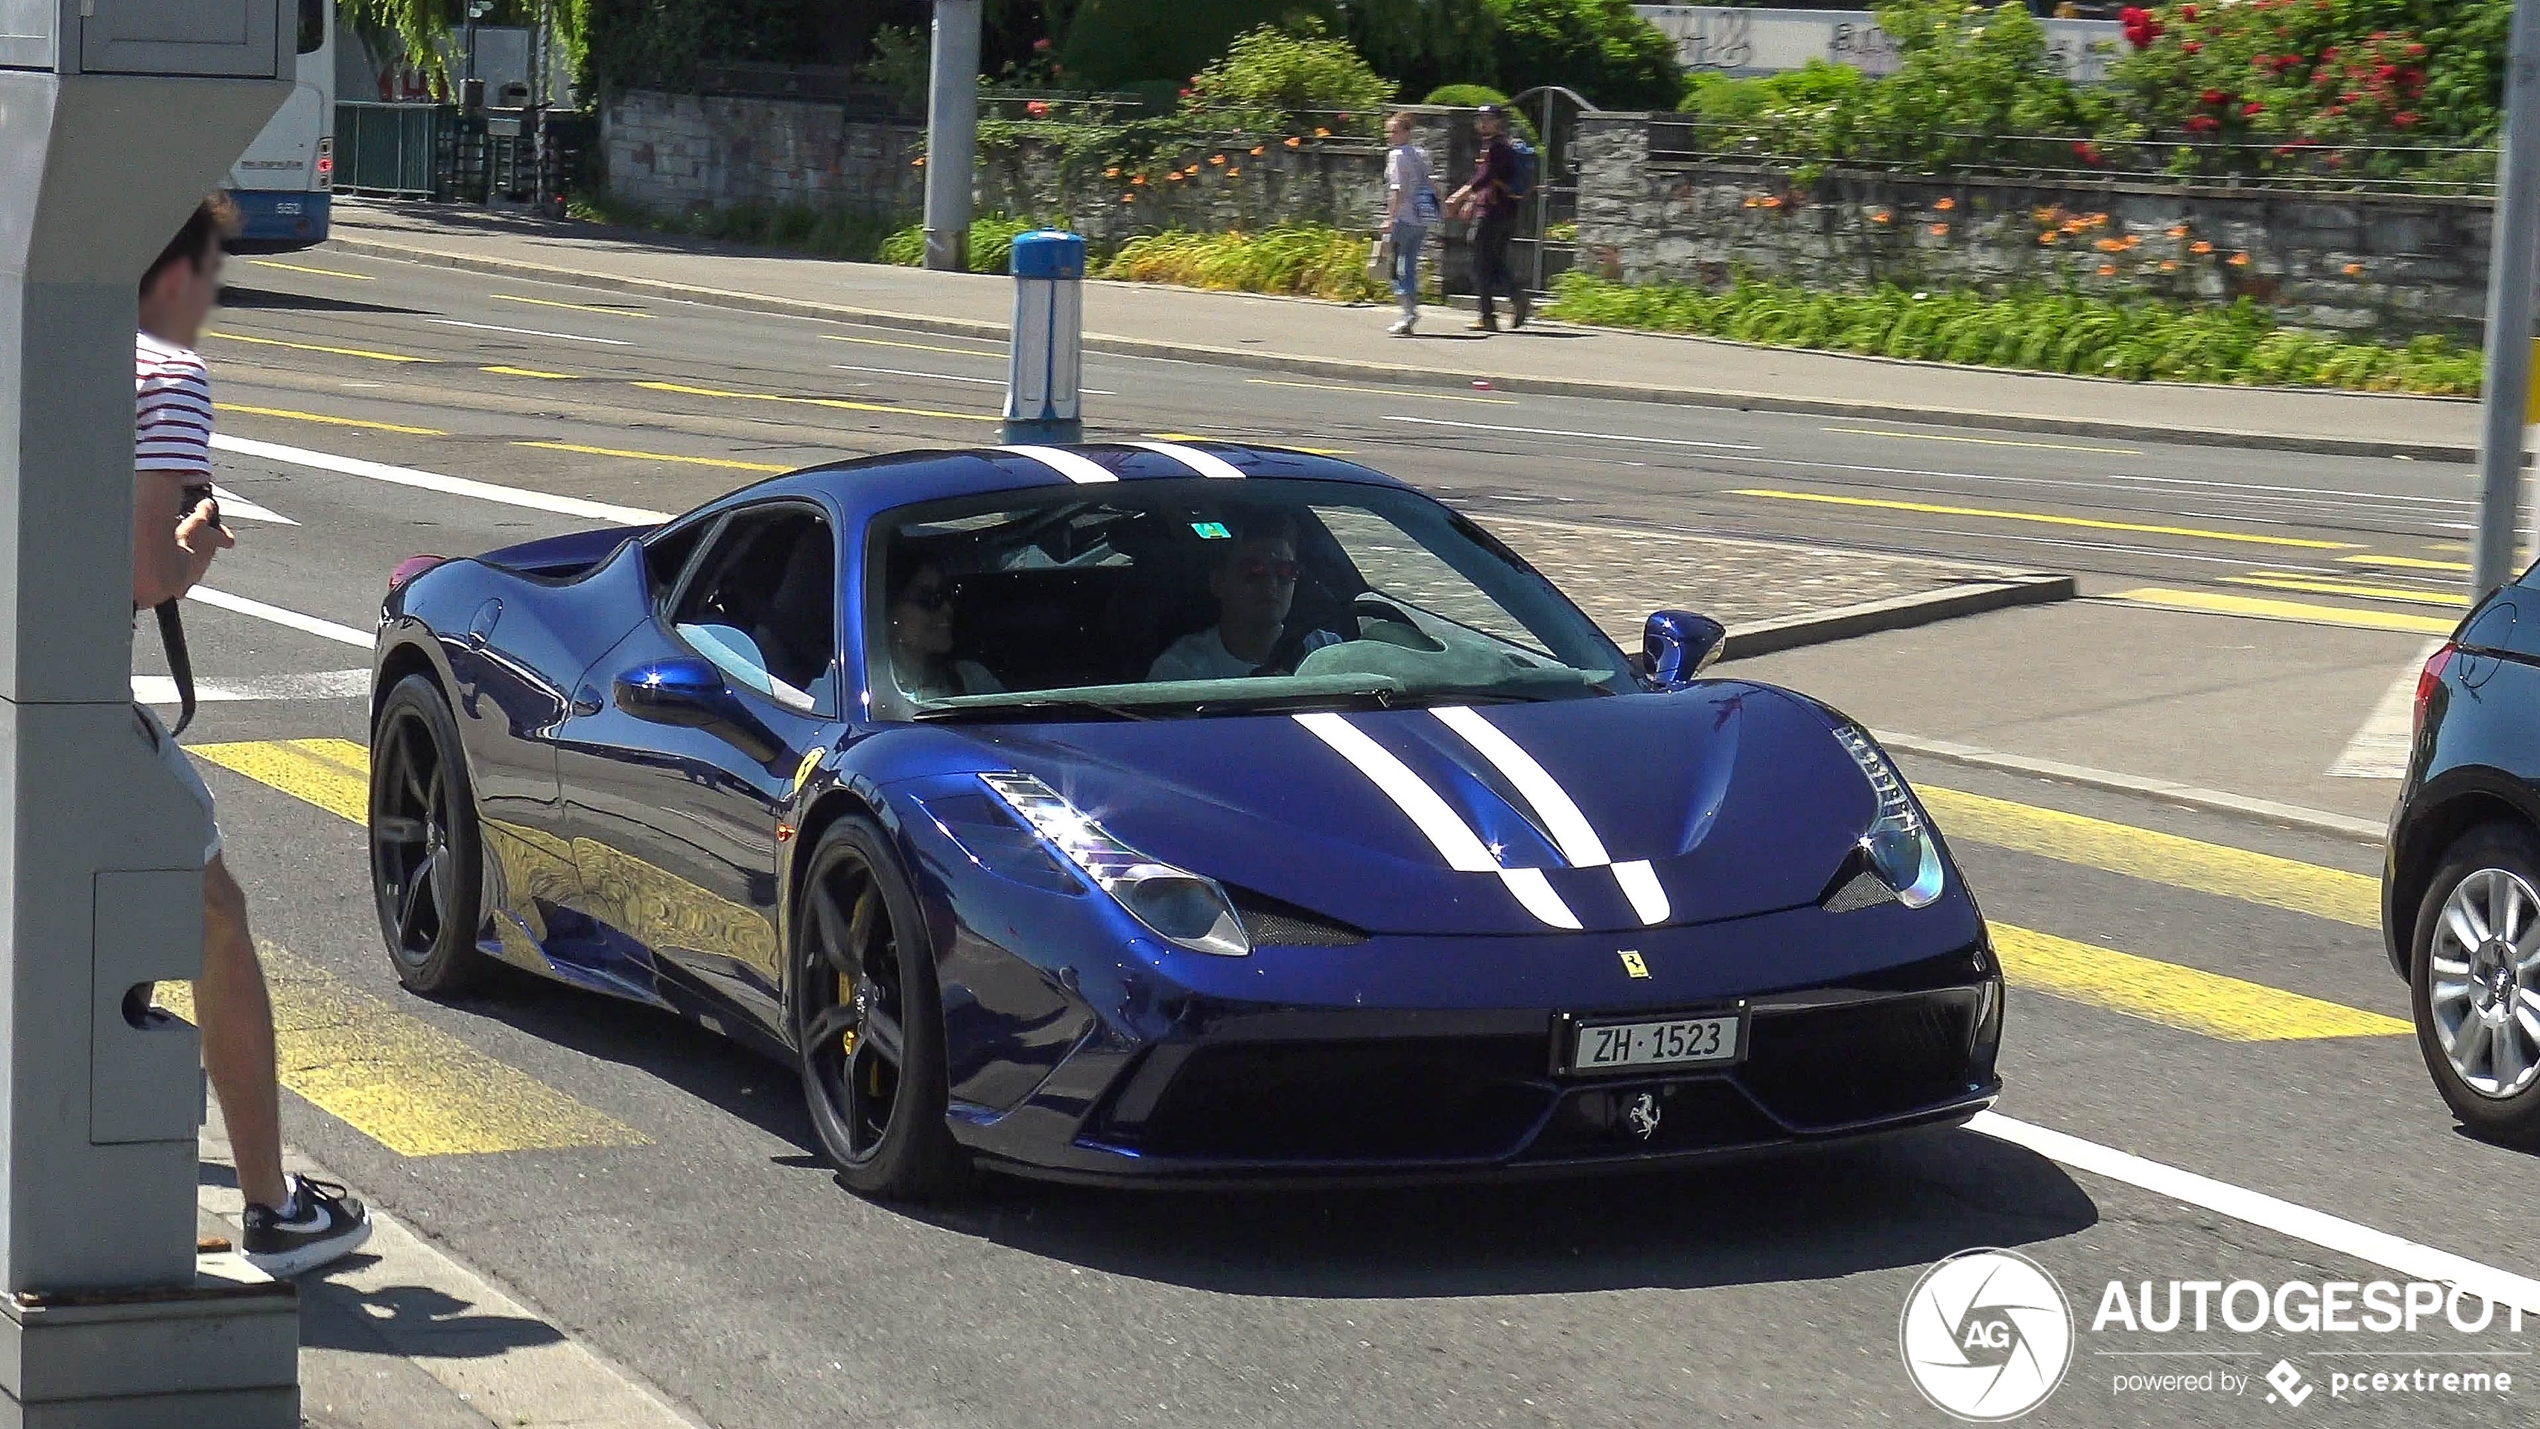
<point>2073,226</point>
<point>2107,270</point>
<point>1772,201</point>
<point>918,163</point>
<point>2239,260</point>
<point>1322,133</point>
<point>2049,237</point>
<point>1111,173</point>
<point>2179,232</point>
<point>1256,150</point>
<point>1175,176</point>
<point>1294,141</point>
<point>1218,159</point>
<point>1128,198</point>
<point>1882,216</point>
<point>1753,202</point>
<point>2354,270</point>
<point>1940,230</point>
<point>2110,245</point>
<point>2169,265</point>
<point>1137,178</point>
<point>1946,204</point>
<point>1231,172</point>
<point>2200,247</point>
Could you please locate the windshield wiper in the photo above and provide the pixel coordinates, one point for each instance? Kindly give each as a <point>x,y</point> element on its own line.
<point>1006,708</point>
<point>1381,699</point>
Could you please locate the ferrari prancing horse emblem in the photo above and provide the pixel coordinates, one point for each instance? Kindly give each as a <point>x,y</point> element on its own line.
<point>1642,1115</point>
<point>1632,965</point>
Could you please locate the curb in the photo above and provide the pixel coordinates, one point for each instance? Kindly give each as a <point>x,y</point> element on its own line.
<point>1902,612</point>
<point>1435,377</point>
<point>2211,800</point>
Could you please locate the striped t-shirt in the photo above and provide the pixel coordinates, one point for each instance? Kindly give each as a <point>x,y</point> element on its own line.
<point>172,409</point>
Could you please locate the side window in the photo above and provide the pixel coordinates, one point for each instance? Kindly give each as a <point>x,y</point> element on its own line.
<point>763,606</point>
<point>312,26</point>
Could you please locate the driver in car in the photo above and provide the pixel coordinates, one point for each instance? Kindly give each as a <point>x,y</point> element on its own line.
<point>1254,582</point>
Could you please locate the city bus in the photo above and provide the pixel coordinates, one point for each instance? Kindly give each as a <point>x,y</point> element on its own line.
<point>283,185</point>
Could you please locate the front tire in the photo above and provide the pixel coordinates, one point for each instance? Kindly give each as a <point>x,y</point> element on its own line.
<point>426,869</point>
<point>868,1021</point>
<point>2474,980</point>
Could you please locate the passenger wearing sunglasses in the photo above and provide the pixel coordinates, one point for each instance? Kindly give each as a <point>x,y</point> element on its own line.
<point>921,615</point>
<point>1254,581</point>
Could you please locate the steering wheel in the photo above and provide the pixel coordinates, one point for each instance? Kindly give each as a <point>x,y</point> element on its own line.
<point>1291,646</point>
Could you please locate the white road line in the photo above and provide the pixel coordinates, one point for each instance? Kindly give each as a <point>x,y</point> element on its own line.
<point>2417,1262</point>
<point>435,481</point>
<point>2379,750</point>
<point>529,332</point>
<point>1590,436</point>
<point>948,377</point>
<point>309,624</point>
<point>321,685</point>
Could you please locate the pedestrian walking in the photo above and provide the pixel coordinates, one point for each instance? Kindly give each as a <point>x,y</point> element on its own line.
<point>1490,200</point>
<point>293,1224</point>
<point>1411,207</point>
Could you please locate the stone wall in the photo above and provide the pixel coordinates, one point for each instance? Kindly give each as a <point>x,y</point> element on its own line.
<point>2368,263</point>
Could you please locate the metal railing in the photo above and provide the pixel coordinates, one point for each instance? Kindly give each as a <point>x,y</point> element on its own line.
<point>393,150</point>
<point>444,152</point>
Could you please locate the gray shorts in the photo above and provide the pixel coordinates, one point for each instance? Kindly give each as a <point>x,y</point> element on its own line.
<point>183,768</point>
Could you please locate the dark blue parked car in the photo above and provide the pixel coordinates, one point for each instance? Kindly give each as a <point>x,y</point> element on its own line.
<point>2460,900</point>
<point>1168,814</point>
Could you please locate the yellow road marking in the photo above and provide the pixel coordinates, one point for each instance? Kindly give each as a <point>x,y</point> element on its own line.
<point>2410,563</point>
<point>577,307</point>
<point>913,346</point>
<point>1382,391</point>
<point>333,774</point>
<point>411,1087</point>
<point>2192,864</point>
<point>2042,518</point>
<point>839,403</point>
<point>2185,998</point>
<point>1196,437</point>
<point>1980,441</point>
<point>303,268</point>
<point>2309,586</point>
<point>318,347</point>
<point>653,456</point>
<point>402,1082</point>
<point>289,415</point>
<point>500,371</point>
<point>2212,604</point>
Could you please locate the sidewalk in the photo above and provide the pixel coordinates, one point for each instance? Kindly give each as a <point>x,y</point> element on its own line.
<point>1330,339</point>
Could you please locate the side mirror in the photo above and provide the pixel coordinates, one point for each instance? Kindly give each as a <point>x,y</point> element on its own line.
<point>1676,646</point>
<point>690,693</point>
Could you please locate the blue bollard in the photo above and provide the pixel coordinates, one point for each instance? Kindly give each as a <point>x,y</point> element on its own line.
<point>1046,360</point>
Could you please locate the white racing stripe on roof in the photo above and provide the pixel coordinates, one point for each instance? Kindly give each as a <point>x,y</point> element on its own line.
<point>1571,832</point>
<point>1204,463</point>
<point>1454,839</point>
<point>1075,468</point>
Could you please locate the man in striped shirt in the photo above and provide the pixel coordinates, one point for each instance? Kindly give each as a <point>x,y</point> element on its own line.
<point>293,1224</point>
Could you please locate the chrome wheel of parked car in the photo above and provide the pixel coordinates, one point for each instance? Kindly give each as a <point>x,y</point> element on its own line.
<point>866,1020</point>
<point>2484,985</point>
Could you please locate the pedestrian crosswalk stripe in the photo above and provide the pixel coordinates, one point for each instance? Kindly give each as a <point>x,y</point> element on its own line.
<point>2404,595</point>
<point>402,1082</point>
<point>2213,603</point>
<point>2192,864</point>
<point>2189,999</point>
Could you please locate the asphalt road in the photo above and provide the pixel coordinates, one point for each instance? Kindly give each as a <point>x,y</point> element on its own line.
<point>2198,990</point>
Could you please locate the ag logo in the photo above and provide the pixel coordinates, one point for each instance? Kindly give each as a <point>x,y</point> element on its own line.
<point>1986,1335</point>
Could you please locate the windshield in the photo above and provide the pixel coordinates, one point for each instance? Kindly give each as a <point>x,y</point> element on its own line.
<point>1160,599</point>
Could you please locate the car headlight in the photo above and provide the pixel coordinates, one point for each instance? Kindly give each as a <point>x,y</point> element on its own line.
<point>1898,844</point>
<point>1182,907</point>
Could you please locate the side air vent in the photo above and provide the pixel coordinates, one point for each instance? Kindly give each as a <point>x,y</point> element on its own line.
<point>1268,921</point>
<point>1855,887</point>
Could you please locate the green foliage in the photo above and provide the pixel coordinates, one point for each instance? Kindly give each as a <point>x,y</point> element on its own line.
<point>1112,43</point>
<point>2141,340</point>
<point>657,44</point>
<point>1598,47</point>
<point>1421,44</point>
<point>847,233</point>
<point>991,243</point>
<point>902,63</point>
<point>1300,259</point>
<point>1269,76</point>
<point>1465,96</point>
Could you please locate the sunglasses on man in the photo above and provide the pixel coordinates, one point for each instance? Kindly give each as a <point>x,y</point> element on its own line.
<point>932,598</point>
<point>1267,569</point>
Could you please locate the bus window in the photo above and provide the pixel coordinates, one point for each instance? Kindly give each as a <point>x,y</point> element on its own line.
<point>312,25</point>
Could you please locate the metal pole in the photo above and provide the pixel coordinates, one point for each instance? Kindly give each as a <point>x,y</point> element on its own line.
<point>952,134</point>
<point>2509,309</point>
<point>1046,355</point>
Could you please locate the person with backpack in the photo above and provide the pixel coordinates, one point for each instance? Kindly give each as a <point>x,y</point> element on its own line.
<point>1503,177</point>
<point>1411,208</point>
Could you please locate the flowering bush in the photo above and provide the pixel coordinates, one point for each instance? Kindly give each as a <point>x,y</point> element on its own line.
<point>2302,74</point>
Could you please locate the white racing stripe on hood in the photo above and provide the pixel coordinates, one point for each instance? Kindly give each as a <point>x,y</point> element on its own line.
<point>1081,470</point>
<point>1204,463</point>
<point>1454,839</point>
<point>1570,829</point>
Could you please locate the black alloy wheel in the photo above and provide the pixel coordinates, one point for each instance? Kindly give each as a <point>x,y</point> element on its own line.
<point>868,1021</point>
<point>426,872</point>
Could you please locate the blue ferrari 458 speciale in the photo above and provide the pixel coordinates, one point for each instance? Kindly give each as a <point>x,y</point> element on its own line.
<point>1168,814</point>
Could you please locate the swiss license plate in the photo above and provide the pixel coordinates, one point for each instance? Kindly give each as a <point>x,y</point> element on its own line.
<point>1670,1042</point>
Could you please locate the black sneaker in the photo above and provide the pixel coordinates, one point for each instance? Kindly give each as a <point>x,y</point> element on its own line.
<point>331,1224</point>
<point>1520,310</point>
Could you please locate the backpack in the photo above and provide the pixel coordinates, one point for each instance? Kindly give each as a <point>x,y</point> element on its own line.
<point>1521,183</point>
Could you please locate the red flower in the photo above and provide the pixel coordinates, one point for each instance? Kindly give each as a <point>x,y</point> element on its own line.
<point>2216,98</point>
<point>2188,11</point>
<point>2193,47</point>
<point>2088,153</point>
<point>1041,45</point>
<point>2252,110</point>
<point>2203,124</point>
<point>2404,120</point>
<point>1038,109</point>
<point>1186,92</point>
